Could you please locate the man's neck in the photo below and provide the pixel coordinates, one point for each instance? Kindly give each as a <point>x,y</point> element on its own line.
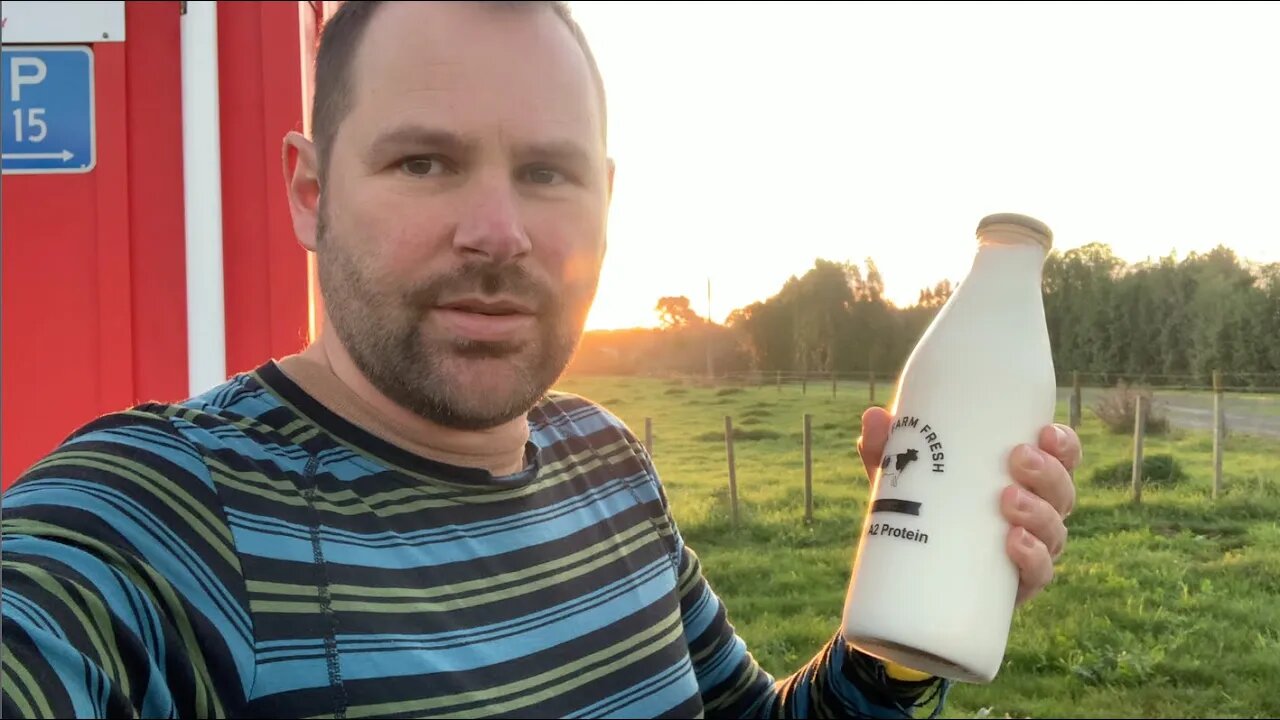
<point>500,450</point>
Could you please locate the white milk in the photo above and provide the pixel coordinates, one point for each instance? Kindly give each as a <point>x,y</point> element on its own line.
<point>933,587</point>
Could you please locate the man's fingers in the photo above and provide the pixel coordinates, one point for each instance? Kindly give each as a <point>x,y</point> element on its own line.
<point>1045,476</point>
<point>1023,509</point>
<point>1035,567</point>
<point>875,433</point>
<point>1063,443</point>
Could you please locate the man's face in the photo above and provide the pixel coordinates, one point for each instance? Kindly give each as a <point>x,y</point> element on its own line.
<point>462,221</point>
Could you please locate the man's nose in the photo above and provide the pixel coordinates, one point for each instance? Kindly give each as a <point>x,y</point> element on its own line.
<point>492,226</point>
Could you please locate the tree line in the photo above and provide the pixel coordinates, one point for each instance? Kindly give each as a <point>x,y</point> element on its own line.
<point>1162,321</point>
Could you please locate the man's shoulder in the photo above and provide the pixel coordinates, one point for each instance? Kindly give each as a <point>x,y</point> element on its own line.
<point>580,426</point>
<point>238,410</point>
<point>584,427</point>
<point>115,455</point>
<point>158,435</point>
<point>577,414</point>
<point>147,425</point>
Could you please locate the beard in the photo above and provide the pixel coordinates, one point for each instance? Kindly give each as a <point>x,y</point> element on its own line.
<point>455,382</point>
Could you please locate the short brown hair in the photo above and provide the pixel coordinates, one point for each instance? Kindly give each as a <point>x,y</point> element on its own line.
<point>337,48</point>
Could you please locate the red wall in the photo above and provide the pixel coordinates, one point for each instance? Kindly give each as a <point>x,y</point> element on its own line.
<point>264,268</point>
<point>158,256</point>
<point>94,291</point>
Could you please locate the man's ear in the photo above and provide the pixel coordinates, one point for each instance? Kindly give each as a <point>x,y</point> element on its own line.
<point>608,198</point>
<point>609,190</point>
<point>302,182</point>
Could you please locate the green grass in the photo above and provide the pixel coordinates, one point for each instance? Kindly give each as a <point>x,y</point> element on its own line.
<point>1169,608</point>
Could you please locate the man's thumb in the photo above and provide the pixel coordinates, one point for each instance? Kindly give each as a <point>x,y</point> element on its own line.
<point>875,433</point>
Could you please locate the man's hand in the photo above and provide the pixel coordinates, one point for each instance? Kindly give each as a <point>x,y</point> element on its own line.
<point>1036,505</point>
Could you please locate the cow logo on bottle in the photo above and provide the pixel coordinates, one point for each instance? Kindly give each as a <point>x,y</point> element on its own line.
<point>898,459</point>
<point>934,456</point>
<point>899,462</point>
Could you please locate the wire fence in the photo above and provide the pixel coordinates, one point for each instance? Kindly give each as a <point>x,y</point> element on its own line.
<point>1141,475</point>
<point>1229,381</point>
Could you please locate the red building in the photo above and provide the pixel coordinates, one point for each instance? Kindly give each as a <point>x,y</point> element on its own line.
<point>166,262</point>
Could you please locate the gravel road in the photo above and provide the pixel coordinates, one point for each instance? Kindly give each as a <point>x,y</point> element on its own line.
<point>1194,411</point>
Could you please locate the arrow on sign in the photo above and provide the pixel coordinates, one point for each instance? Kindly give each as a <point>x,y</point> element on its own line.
<point>65,155</point>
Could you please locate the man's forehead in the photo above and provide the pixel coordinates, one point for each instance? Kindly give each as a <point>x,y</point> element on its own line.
<point>464,58</point>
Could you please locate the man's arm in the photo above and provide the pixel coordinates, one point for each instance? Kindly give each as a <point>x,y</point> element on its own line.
<point>838,682</point>
<point>122,592</point>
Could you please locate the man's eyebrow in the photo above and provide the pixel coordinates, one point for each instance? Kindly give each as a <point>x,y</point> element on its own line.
<point>416,136</point>
<point>411,137</point>
<point>565,151</point>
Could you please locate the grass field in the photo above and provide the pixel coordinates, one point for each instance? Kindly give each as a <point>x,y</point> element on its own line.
<point>1167,609</point>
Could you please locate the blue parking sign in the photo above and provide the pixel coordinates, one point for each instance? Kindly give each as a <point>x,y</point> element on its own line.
<point>47,123</point>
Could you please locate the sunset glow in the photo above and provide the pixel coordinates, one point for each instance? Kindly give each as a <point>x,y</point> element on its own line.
<point>753,138</point>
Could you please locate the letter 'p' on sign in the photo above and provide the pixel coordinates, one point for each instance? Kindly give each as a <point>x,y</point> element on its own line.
<point>25,71</point>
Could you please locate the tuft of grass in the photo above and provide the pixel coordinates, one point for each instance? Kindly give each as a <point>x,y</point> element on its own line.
<point>1162,470</point>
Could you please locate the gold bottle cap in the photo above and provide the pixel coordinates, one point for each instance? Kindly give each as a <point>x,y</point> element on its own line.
<point>1023,221</point>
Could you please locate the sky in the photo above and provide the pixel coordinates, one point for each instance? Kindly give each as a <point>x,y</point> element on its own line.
<point>753,137</point>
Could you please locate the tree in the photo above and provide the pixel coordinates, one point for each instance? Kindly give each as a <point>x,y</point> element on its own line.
<point>821,306</point>
<point>936,296</point>
<point>767,334</point>
<point>1157,318</point>
<point>676,312</point>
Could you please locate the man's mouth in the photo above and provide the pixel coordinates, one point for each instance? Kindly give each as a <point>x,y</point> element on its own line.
<point>486,319</point>
<point>483,306</point>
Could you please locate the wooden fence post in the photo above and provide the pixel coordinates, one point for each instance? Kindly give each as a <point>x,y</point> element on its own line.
<point>833,383</point>
<point>1139,431</point>
<point>733,477</point>
<point>804,383</point>
<point>808,468</point>
<point>648,435</point>
<point>871,379</point>
<point>1074,403</point>
<point>779,381</point>
<point>1219,434</point>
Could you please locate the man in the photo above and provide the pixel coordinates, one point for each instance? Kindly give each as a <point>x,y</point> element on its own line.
<point>401,520</point>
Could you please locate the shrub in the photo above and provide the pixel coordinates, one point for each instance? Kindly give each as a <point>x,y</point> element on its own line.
<point>1157,471</point>
<point>1116,409</point>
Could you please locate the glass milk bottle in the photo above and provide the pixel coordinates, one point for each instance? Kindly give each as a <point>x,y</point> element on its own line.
<point>933,588</point>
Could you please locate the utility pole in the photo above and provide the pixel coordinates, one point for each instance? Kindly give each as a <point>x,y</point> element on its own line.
<point>710,369</point>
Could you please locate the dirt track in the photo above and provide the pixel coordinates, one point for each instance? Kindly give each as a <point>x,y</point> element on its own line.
<point>1194,411</point>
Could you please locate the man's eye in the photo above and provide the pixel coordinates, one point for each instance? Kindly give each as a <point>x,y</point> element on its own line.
<point>544,176</point>
<point>423,167</point>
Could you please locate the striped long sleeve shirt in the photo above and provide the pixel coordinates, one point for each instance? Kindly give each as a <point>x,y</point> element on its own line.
<point>250,553</point>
